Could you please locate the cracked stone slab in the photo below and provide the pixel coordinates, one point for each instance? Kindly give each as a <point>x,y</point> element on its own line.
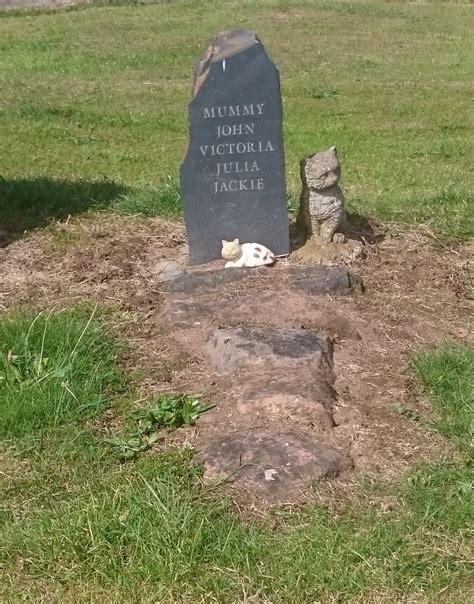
<point>273,465</point>
<point>229,350</point>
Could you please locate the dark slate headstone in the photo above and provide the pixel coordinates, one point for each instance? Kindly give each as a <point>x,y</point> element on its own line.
<point>233,175</point>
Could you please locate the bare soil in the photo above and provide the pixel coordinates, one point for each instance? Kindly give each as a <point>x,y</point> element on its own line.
<point>415,296</point>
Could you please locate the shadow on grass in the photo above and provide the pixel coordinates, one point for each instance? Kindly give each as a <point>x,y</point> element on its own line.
<point>27,204</point>
<point>363,228</point>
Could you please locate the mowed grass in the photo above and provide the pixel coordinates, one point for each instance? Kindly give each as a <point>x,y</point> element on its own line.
<point>54,369</point>
<point>77,525</point>
<point>93,117</point>
<point>99,95</point>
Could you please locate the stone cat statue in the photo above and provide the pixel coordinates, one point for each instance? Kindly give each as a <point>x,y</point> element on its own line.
<point>321,211</point>
<point>246,254</point>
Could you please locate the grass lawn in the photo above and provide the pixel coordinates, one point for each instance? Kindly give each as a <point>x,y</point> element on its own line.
<point>93,105</point>
<point>93,115</point>
<point>78,525</point>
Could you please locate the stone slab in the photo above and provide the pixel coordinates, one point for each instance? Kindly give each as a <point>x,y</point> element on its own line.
<point>315,280</point>
<point>229,350</point>
<point>306,396</point>
<point>273,465</point>
<point>233,175</point>
<point>272,308</point>
<point>320,280</point>
<point>209,280</point>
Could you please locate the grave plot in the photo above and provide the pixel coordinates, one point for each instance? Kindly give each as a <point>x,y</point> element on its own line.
<point>315,356</point>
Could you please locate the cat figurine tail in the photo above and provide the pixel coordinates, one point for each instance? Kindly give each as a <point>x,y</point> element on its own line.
<point>246,254</point>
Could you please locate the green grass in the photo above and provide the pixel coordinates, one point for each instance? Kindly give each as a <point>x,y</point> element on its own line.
<point>448,377</point>
<point>31,203</point>
<point>78,525</point>
<point>94,101</point>
<point>164,199</point>
<point>93,118</point>
<point>53,369</point>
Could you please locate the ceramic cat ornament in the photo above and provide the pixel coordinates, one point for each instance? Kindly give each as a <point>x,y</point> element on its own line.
<point>246,254</point>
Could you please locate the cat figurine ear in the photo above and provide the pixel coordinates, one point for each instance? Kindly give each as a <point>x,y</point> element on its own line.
<point>236,241</point>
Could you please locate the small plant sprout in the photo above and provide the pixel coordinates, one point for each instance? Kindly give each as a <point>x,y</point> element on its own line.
<point>168,411</point>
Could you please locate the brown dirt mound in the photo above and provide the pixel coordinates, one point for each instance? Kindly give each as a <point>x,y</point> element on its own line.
<point>415,296</point>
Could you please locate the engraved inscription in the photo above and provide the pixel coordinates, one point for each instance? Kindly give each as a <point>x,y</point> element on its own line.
<point>232,148</point>
<point>247,184</point>
<point>231,111</point>
<point>242,130</point>
<point>235,130</point>
<point>237,167</point>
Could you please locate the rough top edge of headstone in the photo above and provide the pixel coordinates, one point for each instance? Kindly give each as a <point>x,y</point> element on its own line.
<point>222,46</point>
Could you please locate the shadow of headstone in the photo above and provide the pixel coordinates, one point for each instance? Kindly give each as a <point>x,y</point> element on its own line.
<point>27,204</point>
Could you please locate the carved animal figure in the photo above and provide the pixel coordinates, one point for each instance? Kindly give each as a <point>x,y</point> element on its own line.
<point>321,211</point>
<point>246,254</point>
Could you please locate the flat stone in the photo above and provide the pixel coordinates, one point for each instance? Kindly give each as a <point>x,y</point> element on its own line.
<point>209,280</point>
<point>320,280</point>
<point>233,175</point>
<point>316,280</point>
<point>229,350</point>
<point>272,307</point>
<point>167,270</point>
<point>307,396</point>
<point>274,465</point>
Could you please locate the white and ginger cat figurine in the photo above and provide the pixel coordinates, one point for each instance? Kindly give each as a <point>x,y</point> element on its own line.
<point>246,254</point>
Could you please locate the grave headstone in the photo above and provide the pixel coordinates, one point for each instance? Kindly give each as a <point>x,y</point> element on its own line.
<point>233,175</point>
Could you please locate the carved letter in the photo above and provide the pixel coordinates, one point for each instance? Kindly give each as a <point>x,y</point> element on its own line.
<point>249,128</point>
